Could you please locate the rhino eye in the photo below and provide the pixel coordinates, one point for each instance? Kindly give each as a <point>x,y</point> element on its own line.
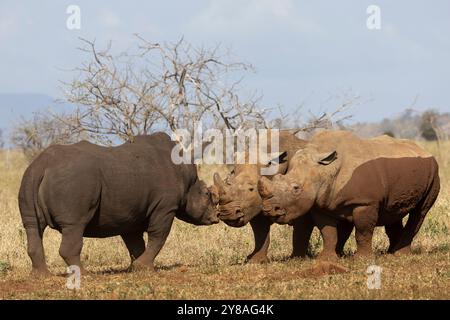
<point>296,188</point>
<point>251,189</point>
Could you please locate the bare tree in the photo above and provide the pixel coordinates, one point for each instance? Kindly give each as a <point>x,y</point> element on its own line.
<point>157,87</point>
<point>307,121</point>
<point>40,131</point>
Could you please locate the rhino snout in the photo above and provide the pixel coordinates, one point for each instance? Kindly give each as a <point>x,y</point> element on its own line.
<point>279,211</point>
<point>214,219</point>
<point>211,217</point>
<point>267,207</point>
<point>232,213</point>
<point>273,209</point>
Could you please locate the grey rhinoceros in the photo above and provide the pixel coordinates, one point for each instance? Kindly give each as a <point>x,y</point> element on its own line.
<point>85,190</point>
<point>240,203</point>
<point>367,182</point>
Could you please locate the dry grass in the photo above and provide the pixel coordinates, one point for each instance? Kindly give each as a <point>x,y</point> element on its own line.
<point>207,262</point>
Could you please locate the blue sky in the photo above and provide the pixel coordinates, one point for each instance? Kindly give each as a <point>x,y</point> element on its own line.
<point>303,51</point>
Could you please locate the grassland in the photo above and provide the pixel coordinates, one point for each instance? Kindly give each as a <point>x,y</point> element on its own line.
<point>208,262</point>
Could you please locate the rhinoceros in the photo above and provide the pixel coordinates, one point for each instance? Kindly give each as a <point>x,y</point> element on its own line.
<point>240,203</point>
<point>368,182</point>
<point>86,190</point>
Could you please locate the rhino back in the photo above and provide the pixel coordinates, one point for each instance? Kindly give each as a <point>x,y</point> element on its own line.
<point>395,185</point>
<point>393,173</point>
<point>353,151</point>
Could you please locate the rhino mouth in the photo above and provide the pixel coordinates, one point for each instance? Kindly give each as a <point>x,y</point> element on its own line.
<point>231,210</point>
<point>212,217</point>
<point>273,209</point>
<point>235,223</point>
<point>232,215</point>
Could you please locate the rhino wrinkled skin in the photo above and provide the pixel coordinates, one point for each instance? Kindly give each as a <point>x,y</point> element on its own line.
<point>366,182</point>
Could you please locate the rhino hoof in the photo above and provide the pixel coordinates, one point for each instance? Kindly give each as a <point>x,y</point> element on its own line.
<point>257,260</point>
<point>403,251</point>
<point>38,273</point>
<point>137,266</point>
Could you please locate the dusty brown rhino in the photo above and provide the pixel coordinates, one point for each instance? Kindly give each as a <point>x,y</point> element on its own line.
<point>240,203</point>
<point>368,182</point>
<point>85,190</point>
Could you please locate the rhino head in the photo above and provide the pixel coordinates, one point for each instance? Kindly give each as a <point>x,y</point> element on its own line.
<point>287,197</point>
<point>237,197</point>
<point>200,208</point>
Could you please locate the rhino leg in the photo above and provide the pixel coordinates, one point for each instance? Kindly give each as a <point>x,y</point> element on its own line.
<point>415,220</point>
<point>394,232</point>
<point>135,244</point>
<point>158,231</point>
<point>365,220</point>
<point>261,232</point>
<point>416,217</point>
<point>403,246</point>
<point>35,250</point>
<point>344,230</point>
<point>71,245</point>
<point>303,227</point>
<point>328,229</point>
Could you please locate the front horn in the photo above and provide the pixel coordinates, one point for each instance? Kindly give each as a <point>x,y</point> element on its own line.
<point>264,187</point>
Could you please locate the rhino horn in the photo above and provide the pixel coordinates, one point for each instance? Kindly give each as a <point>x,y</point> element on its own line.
<point>214,190</point>
<point>264,187</point>
<point>218,181</point>
<point>222,189</point>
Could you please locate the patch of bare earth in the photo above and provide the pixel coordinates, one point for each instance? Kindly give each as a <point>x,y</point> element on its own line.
<point>423,276</point>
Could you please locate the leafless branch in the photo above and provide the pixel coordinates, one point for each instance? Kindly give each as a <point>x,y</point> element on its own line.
<point>157,87</point>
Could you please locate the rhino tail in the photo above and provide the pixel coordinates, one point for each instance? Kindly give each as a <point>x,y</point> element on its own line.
<point>30,210</point>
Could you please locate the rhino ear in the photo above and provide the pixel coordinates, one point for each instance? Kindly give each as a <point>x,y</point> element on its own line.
<point>281,158</point>
<point>327,158</point>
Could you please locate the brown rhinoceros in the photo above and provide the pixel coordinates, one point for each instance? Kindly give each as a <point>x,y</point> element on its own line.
<point>368,182</point>
<point>85,190</point>
<point>241,203</point>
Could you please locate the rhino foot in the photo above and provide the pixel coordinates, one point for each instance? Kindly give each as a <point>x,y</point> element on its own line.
<point>257,259</point>
<point>300,255</point>
<point>139,266</point>
<point>40,273</point>
<point>403,251</point>
<point>325,256</point>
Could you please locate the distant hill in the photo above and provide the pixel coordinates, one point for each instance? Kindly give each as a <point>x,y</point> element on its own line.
<point>406,125</point>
